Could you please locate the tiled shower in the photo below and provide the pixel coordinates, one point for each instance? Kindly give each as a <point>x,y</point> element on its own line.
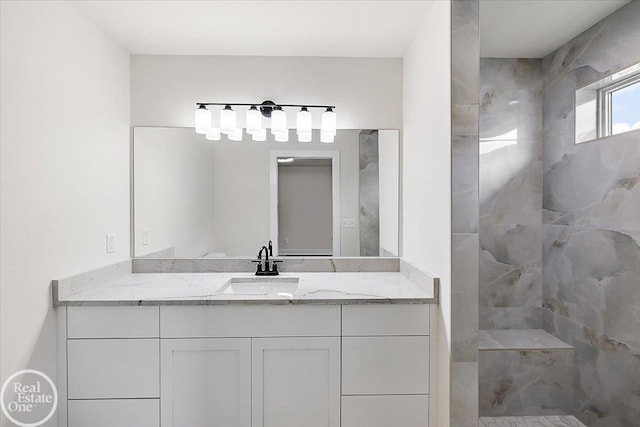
<point>559,230</point>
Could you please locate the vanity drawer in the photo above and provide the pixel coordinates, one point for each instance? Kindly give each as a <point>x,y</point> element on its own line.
<point>385,319</point>
<point>113,322</point>
<point>114,413</point>
<point>103,369</point>
<point>385,411</point>
<point>249,321</point>
<point>385,365</point>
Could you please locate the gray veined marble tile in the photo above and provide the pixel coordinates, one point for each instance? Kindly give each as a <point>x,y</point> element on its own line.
<point>525,382</point>
<point>510,266</point>
<point>606,390</point>
<point>537,421</point>
<point>369,195</point>
<point>464,394</point>
<point>510,318</point>
<point>464,298</point>
<point>511,98</point>
<point>510,142</point>
<point>465,52</point>
<point>464,184</point>
<point>528,339</point>
<point>464,119</point>
<point>598,185</point>
<point>511,186</point>
<point>592,277</point>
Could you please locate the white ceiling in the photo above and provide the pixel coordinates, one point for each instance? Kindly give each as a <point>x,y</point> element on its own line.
<point>262,28</point>
<point>358,28</point>
<point>535,28</point>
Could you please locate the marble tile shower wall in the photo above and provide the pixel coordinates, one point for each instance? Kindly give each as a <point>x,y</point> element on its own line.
<point>510,200</point>
<point>591,228</point>
<point>465,57</point>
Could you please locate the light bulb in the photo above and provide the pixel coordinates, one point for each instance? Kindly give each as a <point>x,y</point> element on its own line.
<point>304,137</point>
<point>254,120</point>
<point>259,135</point>
<point>329,122</point>
<point>213,134</point>
<point>235,135</point>
<point>304,121</point>
<point>282,136</point>
<point>202,119</point>
<point>227,119</point>
<point>327,138</point>
<point>278,121</point>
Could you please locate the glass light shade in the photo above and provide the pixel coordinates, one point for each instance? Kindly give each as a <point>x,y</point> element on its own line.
<point>259,135</point>
<point>227,119</point>
<point>329,122</point>
<point>213,134</point>
<point>254,120</point>
<point>303,121</point>
<point>282,136</point>
<point>278,121</point>
<point>235,135</point>
<point>327,138</point>
<point>202,119</point>
<point>304,136</point>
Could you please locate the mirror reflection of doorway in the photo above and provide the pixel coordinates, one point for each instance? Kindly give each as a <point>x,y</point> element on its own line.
<point>305,207</point>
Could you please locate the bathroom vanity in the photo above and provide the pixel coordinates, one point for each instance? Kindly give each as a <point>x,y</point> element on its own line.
<point>177,349</point>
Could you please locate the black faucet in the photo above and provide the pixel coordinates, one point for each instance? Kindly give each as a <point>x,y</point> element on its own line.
<point>268,270</point>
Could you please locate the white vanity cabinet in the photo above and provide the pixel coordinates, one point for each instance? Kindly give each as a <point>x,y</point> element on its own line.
<point>296,382</point>
<point>317,365</point>
<point>206,382</point>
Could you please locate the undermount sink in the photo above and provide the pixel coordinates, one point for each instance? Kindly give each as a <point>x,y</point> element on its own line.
<point>260,286</point>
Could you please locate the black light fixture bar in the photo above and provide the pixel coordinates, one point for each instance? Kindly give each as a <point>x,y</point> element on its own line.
<point>231,104</point>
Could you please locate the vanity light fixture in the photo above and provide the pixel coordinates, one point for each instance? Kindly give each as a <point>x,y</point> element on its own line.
<point>269,109</point>
<point>227,119</point>
<point>328,128</point>
<point>203,119</point>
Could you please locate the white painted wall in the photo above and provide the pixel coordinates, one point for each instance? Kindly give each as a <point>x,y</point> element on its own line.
<point>366,91</point>
<point>389,175</point>
<point>427,178</point>
<point>305,209</point>
<point>64,100</point>
<point>174,192</point>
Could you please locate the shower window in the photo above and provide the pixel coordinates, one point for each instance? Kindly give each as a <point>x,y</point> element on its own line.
<point>620,106</point>
<point>610,106</point>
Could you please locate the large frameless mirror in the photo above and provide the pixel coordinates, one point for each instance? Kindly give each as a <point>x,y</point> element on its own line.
<point>197,198</point>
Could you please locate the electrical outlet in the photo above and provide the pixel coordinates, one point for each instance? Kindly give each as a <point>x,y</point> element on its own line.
<point>348,223</point>
<point>111,243</point>
<point>145,237</point>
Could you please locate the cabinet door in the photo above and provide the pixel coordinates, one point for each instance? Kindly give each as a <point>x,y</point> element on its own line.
<point>296,382</point>
<point>206,383</point>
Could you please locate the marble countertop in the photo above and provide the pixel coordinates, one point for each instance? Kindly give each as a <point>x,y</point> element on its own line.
<point>200,289</point>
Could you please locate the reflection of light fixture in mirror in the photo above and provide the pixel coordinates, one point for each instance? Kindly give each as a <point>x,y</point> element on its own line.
<point>213,134</point>
<point>254,120</point>
<point>227,119</point>
<point>327,138</point>
<point>202,119</point>
<point>235,135</point>
<point>268,109</point>
<point>285,159</point>
<point>282,136</point>
<point>304,137</point>
<point>259,135</point>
